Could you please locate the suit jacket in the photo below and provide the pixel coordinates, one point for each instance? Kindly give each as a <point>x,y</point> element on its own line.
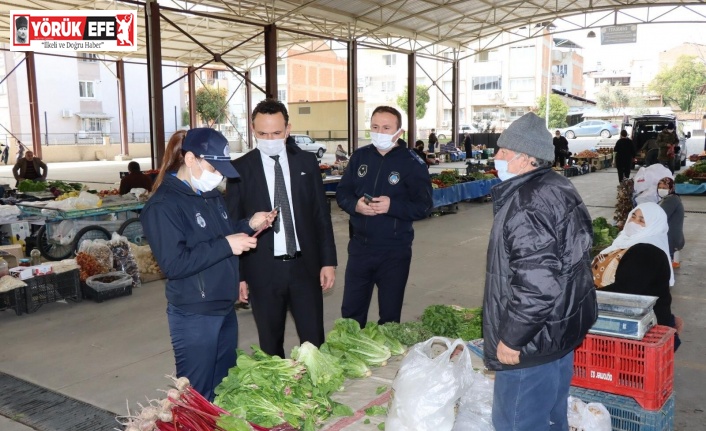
<point>248,194</point>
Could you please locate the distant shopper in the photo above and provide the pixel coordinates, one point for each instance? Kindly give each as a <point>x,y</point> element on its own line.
<point>468,145</point>
<point>667,142</point>
<point>672,205</point>
<point>433,141</point>
<point>135,179</point>
<point>30,168</point>
<point>341,155</point>
<point>624,156</point>
<point>5,154</point>
<point>561,149</point>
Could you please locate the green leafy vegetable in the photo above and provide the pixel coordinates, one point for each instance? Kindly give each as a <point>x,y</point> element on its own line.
<point>373,331</point>
<point>231,423</point>
<point>407,333</point>
<point>380,390</point>
<point>31,186</point>
<point>453,321</point>
<point>381,426</point>
<point>366,421</point>
<point>347,337</point>
<point>324,369</point>
<point>376,411</point>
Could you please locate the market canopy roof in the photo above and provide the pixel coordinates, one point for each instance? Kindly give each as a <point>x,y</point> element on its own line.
<point>427,27</point>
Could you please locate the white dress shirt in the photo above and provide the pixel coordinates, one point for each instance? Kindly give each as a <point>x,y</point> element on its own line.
<point>268,165</point>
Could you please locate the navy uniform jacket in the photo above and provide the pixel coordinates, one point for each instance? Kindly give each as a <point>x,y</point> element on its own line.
<point>402,176</point>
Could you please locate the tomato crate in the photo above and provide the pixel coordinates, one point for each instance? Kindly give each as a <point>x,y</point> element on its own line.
<point>643,370</point>
<point>103,295</point>
<point>45,289</point>
<point>626,414</point>
<point>14,299</point>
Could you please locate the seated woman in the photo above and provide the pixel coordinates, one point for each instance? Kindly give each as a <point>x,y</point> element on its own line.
<point>638,263</point>
<point>341,155</point>
<point>672,205</point>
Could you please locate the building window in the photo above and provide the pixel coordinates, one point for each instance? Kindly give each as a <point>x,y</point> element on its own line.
<point>281,70</point>
<point>256,71</point>
<point>517,112</point>
<point>487,83</point>
<point>388,87</point>
<point>88,57</point>
<point>360,89</point>
<point>389,59</point>
<point>447,87</point>
<point>522,59</point>
<point>92,125</point>
<point>447,116</point>
<point>482,56</point>
<point>85,89</point>
<point>521,84</point>
<point>282,95</point>
<point>304,110</point>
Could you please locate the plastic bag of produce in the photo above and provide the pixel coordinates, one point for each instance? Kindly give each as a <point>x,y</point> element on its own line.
<point>427,387</point>
<point>99,250</point>
<point>123,259</point>
<point>475,408</point>
<point>588,417</point>
<point>109,281</point>
<point>146,262</point>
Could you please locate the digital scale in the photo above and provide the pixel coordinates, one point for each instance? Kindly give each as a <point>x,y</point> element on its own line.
<point>624,315</point>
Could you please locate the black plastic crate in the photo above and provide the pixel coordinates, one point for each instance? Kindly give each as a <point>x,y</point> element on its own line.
<point>45,289</point>
<point>14,299</point>
<point>102,295</point>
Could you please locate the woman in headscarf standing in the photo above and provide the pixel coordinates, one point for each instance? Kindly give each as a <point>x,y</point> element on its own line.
<point>638,263</point>
<point>673,207</point>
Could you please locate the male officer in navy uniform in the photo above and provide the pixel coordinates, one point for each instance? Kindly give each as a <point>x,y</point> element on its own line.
<point>385,188</point>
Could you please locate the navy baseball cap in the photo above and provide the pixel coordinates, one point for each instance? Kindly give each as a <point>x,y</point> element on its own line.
<point>210,145</point>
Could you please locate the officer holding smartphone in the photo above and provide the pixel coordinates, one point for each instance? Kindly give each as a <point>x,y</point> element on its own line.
<point>385,188</point>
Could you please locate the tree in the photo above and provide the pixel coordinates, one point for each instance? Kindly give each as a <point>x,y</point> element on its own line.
<point>420,103</point>
<point>185,117</point>
<point>211,104</point>
<point>681,84</point>
<point>613,99</point>
<point>557,110</point>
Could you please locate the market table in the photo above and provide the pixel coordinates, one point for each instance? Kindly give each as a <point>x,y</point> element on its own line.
<point>461,192</point>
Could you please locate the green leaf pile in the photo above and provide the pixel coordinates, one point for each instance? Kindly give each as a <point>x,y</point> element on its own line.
<point>454,322</point>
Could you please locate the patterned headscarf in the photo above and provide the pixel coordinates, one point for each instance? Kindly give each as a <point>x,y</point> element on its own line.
<point>670,183</point>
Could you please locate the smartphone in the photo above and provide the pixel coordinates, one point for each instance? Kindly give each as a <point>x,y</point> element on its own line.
<point>367,198</point>
<point>259,231</point>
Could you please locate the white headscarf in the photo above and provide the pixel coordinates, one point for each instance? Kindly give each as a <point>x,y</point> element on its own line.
<point>654,232</point>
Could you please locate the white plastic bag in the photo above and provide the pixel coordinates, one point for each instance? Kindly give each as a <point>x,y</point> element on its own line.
<point>588,417</point>
<point>427,387</point>
<point>475,408</point>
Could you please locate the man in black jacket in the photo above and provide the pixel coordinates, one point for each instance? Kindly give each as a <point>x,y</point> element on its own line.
<point>539,298</point>
<point>385,188</point>
<point>561,149</point>
<point>296,258</point>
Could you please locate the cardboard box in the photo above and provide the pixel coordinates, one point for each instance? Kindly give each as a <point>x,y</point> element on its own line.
<point>15,250</point>
<point>25,272</point>
<point>9,258</point>
<point>17,232</point>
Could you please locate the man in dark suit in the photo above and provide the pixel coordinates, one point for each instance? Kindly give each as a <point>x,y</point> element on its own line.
<point>296,258</point>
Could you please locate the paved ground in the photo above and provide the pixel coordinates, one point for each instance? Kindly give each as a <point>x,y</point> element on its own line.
<point>118,352</point>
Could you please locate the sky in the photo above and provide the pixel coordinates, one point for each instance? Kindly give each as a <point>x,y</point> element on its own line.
<point>651,39</point>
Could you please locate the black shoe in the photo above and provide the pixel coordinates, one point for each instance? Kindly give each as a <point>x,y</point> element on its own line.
<point>242,306</point>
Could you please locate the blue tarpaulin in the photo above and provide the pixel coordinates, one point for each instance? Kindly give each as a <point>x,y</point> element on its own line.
<point>462,192</point>
<point>690,189</point>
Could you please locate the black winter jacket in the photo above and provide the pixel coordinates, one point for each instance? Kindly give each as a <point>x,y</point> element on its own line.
<point>186,232</point>
<point>539,293</point>
<point>402,176</point>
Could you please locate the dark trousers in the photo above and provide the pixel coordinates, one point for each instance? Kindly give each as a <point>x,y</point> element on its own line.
<point>559,159</point>
<point>388,268</point>
<point>293,288</point>
<point>623,170</point>
<point>533,398</point>
<point>204,347</point>
<point>651,157</point>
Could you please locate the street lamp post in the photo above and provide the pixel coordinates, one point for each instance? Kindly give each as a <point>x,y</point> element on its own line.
<point>549,83</point>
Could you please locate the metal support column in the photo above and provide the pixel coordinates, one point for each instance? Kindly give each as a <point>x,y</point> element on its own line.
<point>411,99</point>
<point>191,79</point>
<point>154,70</point>
<point>33,104</point>
<point>455,101</point>
<point>271,61</point>
<point>248,107</point>
<point>352,96</point>
<point>122,107</point>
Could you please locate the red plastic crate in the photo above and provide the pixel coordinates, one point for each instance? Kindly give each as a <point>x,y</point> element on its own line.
<point>643,370</point>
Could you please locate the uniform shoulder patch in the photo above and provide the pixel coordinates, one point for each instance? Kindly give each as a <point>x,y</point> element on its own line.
<point>416,157</point>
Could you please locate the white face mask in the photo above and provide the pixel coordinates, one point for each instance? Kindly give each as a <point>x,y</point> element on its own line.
<point>662,192</point>
<point>270,147</point>
<point>632,229</point>
<point>208,180</point>
<point>383,141</point>
<point>501,166</point>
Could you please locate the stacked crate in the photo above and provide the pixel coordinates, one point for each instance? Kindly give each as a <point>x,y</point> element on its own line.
<point>633,379</point>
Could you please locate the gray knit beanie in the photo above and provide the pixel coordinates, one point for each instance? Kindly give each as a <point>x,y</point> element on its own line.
<point>529,135</point>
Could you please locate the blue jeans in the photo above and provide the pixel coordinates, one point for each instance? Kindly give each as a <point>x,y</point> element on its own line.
<point>533,398</point>
<point>204,347</point>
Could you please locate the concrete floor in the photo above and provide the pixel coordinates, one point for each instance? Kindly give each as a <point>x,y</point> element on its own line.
<point>117,352</point>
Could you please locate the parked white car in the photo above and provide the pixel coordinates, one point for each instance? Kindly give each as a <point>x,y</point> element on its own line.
<point>307,144</point>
